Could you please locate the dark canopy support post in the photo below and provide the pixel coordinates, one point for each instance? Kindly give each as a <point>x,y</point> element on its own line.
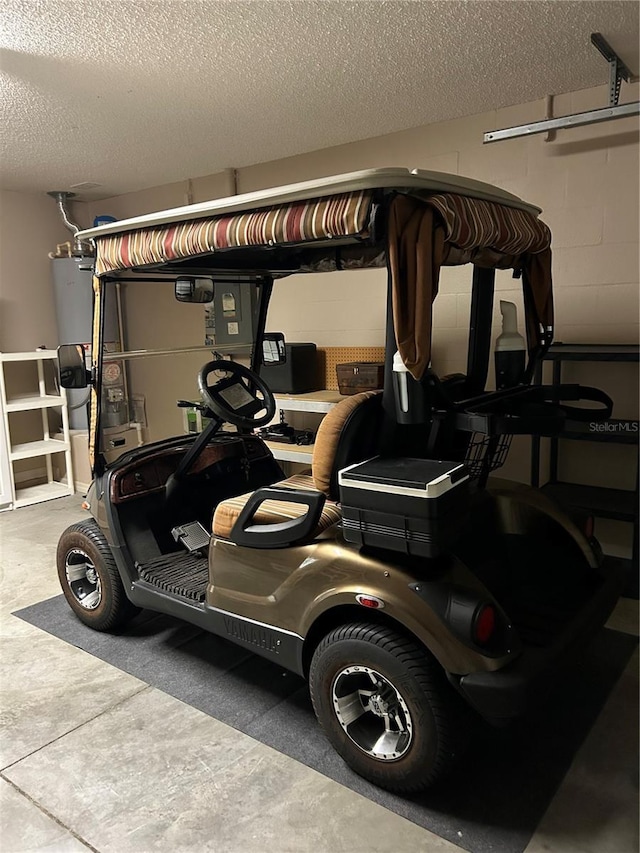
<point>264,295</point>
<point>480,330</point>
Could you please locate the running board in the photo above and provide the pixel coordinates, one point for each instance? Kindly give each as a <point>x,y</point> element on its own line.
<point>184,575</point>
<point>284,648</point>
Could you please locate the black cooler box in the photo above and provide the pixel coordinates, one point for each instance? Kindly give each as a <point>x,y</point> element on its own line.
<point>297,375</point>
<point>409,505</point>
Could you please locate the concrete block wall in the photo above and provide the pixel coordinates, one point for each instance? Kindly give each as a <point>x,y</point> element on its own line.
<point>586,180</point>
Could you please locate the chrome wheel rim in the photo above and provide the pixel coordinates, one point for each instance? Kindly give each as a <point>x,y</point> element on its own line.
<point>82,579</point>
<point>372,712</point>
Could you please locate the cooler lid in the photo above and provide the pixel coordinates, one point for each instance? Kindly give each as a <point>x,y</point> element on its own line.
<point>425,478</point>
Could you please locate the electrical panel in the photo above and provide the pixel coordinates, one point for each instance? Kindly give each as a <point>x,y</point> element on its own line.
<point>235,312</point>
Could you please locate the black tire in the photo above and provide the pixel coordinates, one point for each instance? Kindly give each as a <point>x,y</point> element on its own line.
<point>90,580</point>
<point>430,713</point>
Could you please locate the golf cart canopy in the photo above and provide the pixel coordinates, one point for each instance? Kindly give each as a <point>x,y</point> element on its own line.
<point>413,222</point>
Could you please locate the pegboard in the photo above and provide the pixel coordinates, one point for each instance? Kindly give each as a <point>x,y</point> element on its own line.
<point>329,357</point>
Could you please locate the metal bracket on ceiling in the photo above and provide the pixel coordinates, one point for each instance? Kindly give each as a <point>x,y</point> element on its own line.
<point>618,72</point>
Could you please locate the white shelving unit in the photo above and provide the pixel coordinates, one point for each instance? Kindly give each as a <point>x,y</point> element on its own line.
<point>291,452</point>
<point>313,401</point>
<point>318,402</point>
<point>36,399</point>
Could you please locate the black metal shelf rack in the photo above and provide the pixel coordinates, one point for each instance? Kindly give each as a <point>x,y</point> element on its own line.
<point>618,504</point>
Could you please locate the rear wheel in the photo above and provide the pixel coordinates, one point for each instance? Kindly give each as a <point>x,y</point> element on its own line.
<point>382,704</point>
<point>89,578</point>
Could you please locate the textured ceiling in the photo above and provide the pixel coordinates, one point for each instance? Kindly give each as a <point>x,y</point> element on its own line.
<point>134,93</point>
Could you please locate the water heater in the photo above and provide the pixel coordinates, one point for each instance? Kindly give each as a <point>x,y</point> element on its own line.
<point>73,296</point>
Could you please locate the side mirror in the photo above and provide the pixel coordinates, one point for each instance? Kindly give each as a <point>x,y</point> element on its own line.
<point>73,372</point>
<point>273,348</point>
<point>194,289</point>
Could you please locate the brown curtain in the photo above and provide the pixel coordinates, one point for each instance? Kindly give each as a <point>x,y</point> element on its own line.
<point>536,273</point>
<point>417,249</point>
<point>415,255</point>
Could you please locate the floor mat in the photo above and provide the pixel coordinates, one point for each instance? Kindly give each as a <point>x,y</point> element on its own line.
<point>500,789</point>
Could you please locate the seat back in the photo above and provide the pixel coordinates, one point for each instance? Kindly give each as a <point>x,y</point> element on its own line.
<point>349,433</point>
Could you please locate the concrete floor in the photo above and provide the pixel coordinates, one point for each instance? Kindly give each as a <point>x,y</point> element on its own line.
<point>94,759</point>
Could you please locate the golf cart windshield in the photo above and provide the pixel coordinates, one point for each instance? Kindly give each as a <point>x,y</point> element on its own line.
<point>411,222</point>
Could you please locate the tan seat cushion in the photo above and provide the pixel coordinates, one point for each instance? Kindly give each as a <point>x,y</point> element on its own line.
<point>324,456</point>
<point>328,437</point>
<point>273,512</point>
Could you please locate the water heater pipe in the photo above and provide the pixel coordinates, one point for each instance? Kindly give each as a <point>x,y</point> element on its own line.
<point>61,198</point>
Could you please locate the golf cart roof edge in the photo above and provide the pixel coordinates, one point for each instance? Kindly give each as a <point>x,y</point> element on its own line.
<point>368,179</point>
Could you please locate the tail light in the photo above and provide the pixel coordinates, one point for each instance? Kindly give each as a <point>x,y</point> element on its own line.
<point>484,624</point>
<point>475,619</point>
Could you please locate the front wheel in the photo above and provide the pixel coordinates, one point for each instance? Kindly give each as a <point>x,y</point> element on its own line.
<point>90,580</point>
<point>380,702</point>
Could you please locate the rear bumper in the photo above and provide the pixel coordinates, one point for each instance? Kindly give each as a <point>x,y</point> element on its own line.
<point>507,693</point>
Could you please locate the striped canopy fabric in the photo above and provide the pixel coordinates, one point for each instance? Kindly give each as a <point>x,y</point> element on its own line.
<point>471,223</point>
<point>336,216</point>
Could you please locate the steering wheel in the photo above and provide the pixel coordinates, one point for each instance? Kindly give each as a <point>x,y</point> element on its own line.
<point>239,396</point>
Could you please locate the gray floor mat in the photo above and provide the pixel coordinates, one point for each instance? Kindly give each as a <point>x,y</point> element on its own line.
<point>500,789</point>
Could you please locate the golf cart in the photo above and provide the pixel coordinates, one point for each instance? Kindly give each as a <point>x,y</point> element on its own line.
<point>403,582</point>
